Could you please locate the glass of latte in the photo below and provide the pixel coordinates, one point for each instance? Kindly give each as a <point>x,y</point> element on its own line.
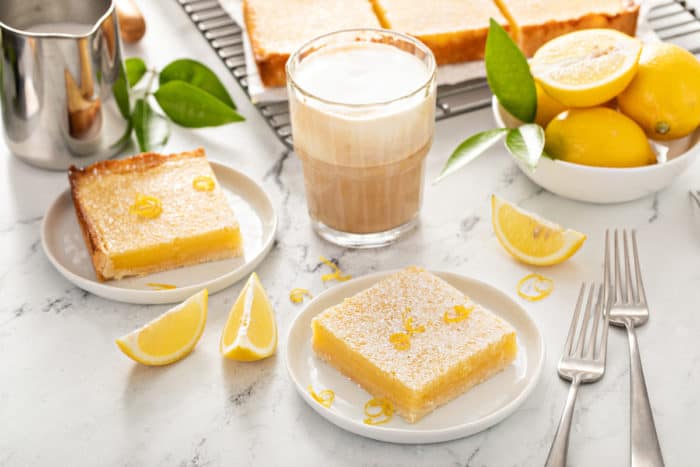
<point>362,105</point>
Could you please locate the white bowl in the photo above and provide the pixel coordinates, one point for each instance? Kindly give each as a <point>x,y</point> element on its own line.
<point>605,185</point>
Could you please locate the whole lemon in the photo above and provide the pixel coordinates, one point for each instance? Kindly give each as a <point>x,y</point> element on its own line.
<point>598,136</point>
<point>547,107</point>
<point>664,96</point>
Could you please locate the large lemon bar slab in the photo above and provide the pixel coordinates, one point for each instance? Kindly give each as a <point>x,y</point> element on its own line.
<point>443,359</point>
<point>535,22</point>
<point>193,224</point>
<point>276,28</point>
<point>455,30</point>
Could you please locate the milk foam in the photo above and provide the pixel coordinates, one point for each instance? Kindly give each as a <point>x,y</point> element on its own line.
<point>364,73</point>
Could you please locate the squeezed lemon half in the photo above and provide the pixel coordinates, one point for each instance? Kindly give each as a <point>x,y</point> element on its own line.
<point>250,332</point>
<point>171,336</point>
<point>531,239</point>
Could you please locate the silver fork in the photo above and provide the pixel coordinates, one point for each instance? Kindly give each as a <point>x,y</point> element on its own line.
<point>583,361</point>
<point>628,308</point>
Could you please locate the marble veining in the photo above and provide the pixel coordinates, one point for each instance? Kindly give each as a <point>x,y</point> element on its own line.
<point>69,397</point>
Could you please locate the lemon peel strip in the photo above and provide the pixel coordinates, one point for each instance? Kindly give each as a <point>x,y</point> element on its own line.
<point>324,397</point>
<point>378,411</point>
<point>538,280</point>
<point>297,295</point>
<point>336,275</point>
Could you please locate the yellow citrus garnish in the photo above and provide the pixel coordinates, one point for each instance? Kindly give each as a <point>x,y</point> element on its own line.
<point>297,295</point>
<point>411,329</point>
<point>460,314</point>
<point>537,282</point>
<point>146,206</point>
<point>171,336</point>
<point>325,397</point>
<point>400,341</point>
<point>378,411</point>
<point>159,286</point>
<point>530,238</point>
<point>336,275</point>
<point>203,183</point>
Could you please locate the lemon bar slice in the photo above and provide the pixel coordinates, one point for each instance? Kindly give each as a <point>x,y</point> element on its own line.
<point>152,212</point>
<point>535,22</point>
<point>455,30</point>
<point>414,340</point>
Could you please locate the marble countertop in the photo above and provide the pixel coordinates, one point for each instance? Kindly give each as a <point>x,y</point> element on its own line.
<point>69,397</point>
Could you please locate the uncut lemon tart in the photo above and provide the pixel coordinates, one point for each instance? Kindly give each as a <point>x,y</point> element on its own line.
<point>153,212</point>
<point>413,340</point>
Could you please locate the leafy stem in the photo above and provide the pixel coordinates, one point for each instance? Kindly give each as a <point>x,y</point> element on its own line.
<point>188,94</point>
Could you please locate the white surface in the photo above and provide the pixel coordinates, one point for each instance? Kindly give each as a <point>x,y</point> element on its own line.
<point>69,397</point>
<point>606,185</point>
<point>478,409</point>
<point>64,246</point>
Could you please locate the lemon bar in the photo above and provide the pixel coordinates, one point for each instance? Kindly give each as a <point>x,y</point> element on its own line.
<point>153,212</point>
<point>276,28</point>
<point>535,22</point>
<point>455,30</point>
<point>414,340</point>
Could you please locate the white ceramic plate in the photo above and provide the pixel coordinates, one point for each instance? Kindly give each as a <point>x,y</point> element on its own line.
<point>64,245</point>
<point>476,410</point>
<point>606,185</point>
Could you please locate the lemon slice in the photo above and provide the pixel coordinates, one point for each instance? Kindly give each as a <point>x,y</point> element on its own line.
<point>586,68</point>
<point>250,332</point>
<point>530,238</point>
<point>169,337</point>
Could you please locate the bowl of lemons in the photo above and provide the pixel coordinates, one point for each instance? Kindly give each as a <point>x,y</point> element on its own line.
<point>621,118</point>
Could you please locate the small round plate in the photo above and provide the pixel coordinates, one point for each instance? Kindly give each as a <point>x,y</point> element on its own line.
<point>63,244</point>
<point>476,410</point>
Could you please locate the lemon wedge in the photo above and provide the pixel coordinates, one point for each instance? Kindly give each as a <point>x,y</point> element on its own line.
<point>586,68</point>
<point>530,238</point>
<point>250,333</point>
<point>171,336</point>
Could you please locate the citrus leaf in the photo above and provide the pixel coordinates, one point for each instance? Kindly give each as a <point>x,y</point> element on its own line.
<point>152,129</point>
<point>135,69</point>
<point>526,143</point>
<point>470,149</point>
<point>189,106</point>
<point>509,76</point>
<point>120,91</point>
<point>197,74</point>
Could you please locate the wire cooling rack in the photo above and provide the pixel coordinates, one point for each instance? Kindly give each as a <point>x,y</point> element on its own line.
<point>673,20</point>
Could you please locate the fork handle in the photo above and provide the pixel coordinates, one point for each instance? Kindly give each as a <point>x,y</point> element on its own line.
<point>560,445</point>
<point>645,450</point>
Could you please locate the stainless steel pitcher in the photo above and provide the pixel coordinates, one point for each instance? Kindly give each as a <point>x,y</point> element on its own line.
<point>65,97</point>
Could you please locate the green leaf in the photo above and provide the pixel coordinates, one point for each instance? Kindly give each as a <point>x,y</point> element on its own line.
<point>526,143</point>
<point>198,75</point>
<point>151,128</point>
<point>120,90</point>
<point>189,106</point>
<point>135,69</point>
<point>470,149</point>
<point>509,76</point>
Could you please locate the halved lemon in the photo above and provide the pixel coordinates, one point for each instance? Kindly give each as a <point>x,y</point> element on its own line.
<point>251,332</point>
<point>586,68</point>
<point>531,239</point>
<point>171,336</point>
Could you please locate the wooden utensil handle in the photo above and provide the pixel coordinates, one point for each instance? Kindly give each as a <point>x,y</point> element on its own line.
<point>132,24</point>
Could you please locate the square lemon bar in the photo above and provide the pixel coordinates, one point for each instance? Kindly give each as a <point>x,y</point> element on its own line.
<point>153,212</point>
<point>414,340</point>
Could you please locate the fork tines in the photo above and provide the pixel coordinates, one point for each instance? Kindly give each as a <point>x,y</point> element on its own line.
<point>586,340</point>
<point>631,289</point>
